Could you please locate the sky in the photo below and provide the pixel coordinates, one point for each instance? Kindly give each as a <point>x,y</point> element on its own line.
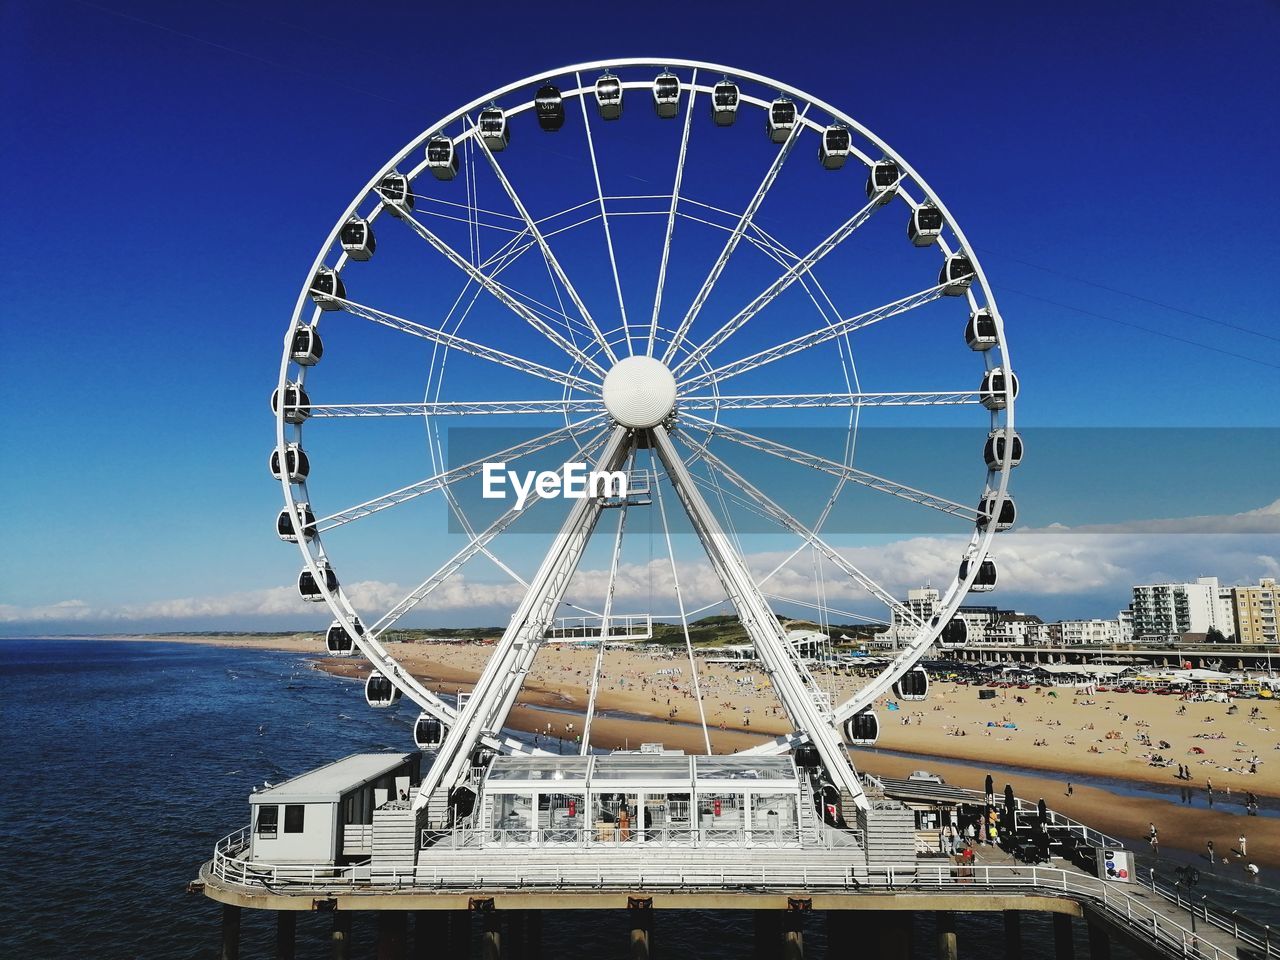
<point>171,170</point>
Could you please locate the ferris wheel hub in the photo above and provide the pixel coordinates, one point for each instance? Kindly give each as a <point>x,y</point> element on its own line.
<point>639,392</point>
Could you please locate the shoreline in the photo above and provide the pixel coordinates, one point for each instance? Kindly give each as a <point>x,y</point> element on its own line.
<point>543,707</point>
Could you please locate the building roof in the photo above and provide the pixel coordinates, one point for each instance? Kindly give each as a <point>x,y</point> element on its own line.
<point>328,784</point>
<point>925,791</point>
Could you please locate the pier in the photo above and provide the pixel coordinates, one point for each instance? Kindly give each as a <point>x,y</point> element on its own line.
<point>499,881</point>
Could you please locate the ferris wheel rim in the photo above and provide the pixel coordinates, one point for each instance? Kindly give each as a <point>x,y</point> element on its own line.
<point>979,541</point>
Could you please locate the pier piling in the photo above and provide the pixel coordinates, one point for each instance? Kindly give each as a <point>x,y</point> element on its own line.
<point>491,935</point>
<point>286,934</point>
<point>793,935</point>
<point>340,938</point>
<point>1064,948</point>
<point>948,948</point>
<point>393,934</point>
<point>1012,935</point>
<point>230,932</point>
<point>640,916</point>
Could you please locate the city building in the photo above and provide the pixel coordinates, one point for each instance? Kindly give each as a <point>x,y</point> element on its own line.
<point>1075,632</point>
<point>1255,612</point>
<point>1163,612</point>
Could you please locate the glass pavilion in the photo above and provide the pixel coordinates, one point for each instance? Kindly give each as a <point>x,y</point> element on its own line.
<point>641,798</point>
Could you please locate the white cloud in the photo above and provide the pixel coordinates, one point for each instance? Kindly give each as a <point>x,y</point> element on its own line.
<point>1047,565</point>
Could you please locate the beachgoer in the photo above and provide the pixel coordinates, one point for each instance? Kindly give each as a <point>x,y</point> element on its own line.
<point>1209,848</point>
<point>1243,842</point>
<point>1070,788</point>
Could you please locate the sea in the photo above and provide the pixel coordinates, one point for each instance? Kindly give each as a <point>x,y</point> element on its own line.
<point>125,762</point>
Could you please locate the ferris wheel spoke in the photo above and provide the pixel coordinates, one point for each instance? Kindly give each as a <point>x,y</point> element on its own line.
<point>604,219</point>
<point>744,221</point>
<point>477,544</point>
<point>500,292</point>
<point>553,263</point>
<point>840,470</point>
<point>789,401</point>
<point>456,408</point>
<point>781,516</point>
<point>813,339</point>
<point>671,218</point>
<point>793,273</point>
<point>447,477</point>
<point>455,342</point>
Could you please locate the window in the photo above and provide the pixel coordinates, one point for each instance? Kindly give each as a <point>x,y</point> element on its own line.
<point>268,820</point>
<point>293,817</point>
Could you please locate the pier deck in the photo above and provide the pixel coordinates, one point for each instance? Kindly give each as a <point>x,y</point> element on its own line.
<point>1151,918</point>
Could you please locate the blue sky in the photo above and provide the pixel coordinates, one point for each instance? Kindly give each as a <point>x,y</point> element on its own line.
<point>170,171</point>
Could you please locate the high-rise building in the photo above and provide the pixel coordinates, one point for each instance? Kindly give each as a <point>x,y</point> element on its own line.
<point>1256,611</point>
<point>1163,612</point>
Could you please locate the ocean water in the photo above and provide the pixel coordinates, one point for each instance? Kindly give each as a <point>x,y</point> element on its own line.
<point>124,762</point>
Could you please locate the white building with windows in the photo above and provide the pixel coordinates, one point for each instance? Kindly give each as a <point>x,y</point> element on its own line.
<point>1080,632</point>
<point>1163,612</point>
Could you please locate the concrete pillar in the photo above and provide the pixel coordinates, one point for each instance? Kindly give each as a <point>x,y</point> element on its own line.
<point>393,934</point>
<point>491,935</point>
<point>515,934</point>
<point>1064,947</point>
<point>841,934</point>
<point>459,934</point>
<point>286,934</point>
<point>641,923</point>
<point>230,932</point>
<point>947,946</point>
<point>793,935</point>
<point>341,936</point>
<point>1012,935</point>
<point>768,935</point>
<point>1099,941</point>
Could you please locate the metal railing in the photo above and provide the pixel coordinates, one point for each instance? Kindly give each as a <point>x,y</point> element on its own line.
<point>649,867</point>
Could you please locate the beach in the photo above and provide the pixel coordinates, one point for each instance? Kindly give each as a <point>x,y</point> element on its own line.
<point>1096,736</point>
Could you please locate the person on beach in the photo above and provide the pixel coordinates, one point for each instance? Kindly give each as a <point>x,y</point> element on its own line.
<point>1243,842</point>
<point>1070,788</point>
<point>1209,848</point>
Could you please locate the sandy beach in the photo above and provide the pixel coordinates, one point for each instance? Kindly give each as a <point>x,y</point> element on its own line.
<point>1103,735</point>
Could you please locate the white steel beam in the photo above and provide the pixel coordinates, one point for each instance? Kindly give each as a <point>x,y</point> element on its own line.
<point>744,221</point>
<point>800,695</point>
<point>836,469</point>
<point>495,691</point>
<point>500,291</point>
<point>671,218</point>
<point>457,408</point>
<point>787,401</point>
<point>535,231</point>
<point>772,509</point>
<point>446,477</point>
<point>455,342</point>
<point>812,339</point>
<point>775,289</point>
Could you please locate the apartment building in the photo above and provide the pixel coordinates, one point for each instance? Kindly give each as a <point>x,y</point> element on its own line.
<point>1255,609</point>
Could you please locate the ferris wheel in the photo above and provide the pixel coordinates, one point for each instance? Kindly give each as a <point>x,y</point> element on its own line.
<point>731,295</point>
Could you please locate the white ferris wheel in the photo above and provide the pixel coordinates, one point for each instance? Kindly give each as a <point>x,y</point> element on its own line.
<point>710,292</point>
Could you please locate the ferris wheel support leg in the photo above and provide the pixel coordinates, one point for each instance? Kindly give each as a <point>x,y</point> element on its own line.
<point>495,692</point>
<point>772,646</point>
